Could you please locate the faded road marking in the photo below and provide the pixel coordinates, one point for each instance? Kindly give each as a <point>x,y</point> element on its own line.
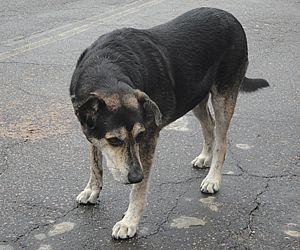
<point>61,228</point>
<point>186,222</point>
<point>210,203</point>
<point>180,124</point>
<point>244,146</point>
<point>91,22</point>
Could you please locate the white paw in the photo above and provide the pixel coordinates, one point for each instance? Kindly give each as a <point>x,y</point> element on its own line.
<point>88,195</point>
<point>210,185</point>
<point>124,230</point>
<point>202,161</point>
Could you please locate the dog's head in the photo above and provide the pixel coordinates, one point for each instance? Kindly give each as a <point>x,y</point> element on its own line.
<point>117,123</point>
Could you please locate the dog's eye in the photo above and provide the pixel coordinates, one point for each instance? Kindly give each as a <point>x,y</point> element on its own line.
<point>139,137</point>
<point>116,142</point>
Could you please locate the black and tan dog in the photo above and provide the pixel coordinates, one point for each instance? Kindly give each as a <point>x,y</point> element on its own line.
<point>130,83</point>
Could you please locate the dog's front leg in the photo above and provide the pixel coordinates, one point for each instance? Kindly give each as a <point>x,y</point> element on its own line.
<point>127,227</point>
<point>94,186</point>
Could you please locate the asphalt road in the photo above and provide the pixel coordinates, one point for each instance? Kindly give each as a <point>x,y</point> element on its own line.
<point>43,154</point>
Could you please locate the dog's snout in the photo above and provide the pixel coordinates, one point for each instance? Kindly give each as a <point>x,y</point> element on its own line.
<point>135,175</point>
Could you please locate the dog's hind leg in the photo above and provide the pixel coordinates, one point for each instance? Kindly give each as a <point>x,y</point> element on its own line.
<point>201,111</point>
<point>223,101</point>
<point>94,186</point>
<point>126,228</point>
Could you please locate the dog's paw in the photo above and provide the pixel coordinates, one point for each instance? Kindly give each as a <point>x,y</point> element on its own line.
<point>210,185</point>
<point>88,195</point>
<point>124,230</point>
<point>201,161</point>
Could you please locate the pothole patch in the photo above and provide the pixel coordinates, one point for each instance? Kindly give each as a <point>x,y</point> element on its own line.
<point>210,203</point>
<point>61,228</point>
<point>187,222</point>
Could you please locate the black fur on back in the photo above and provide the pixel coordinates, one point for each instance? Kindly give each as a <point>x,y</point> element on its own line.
<point>175,63</point>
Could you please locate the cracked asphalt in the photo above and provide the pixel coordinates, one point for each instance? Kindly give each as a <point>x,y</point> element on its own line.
<point>43,154</point>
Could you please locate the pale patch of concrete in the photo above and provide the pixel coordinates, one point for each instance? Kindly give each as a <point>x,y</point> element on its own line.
<point>186,222</point>
<point>244,146</point>
<point>6,247</point>
<point>180,124</point>
<point>292,233</point>
<point>292,230</point>
<point>44,247</point>
<point>40,236</point>
<point>143,231</point>
<point>230,173</point>
<point>61,228</point>
<point>210,203</point>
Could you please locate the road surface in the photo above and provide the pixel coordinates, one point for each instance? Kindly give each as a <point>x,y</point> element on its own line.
<point>43,154</point>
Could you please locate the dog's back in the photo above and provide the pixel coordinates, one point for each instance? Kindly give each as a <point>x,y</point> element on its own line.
<point>203,45</point>
<point>184,57</point>
<point>175,63</point>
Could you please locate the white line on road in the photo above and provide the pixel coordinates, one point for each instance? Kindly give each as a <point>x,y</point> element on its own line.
<point>61,33</point>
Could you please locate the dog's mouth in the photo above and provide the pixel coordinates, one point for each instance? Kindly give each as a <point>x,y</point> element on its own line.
<point>128,173</point>
<point>128,179</point>
<point>128,183</point>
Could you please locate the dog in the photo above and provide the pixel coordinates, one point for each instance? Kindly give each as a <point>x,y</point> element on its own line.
<point>130,83</point>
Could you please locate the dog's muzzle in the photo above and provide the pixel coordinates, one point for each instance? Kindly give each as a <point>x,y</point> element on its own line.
<point>135,174</point>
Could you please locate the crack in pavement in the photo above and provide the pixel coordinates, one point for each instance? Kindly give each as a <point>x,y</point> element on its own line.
<point>178,182</point>
<point>256,208</point>
<point>27,92</point>
<point>39,226</point>
<point>167,217</point>
<point>244,171</point>
<point>245,233</point>
<point>29,206</point>
<point>171,210</point>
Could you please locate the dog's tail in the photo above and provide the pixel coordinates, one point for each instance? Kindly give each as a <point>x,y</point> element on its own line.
<point>251,85</point>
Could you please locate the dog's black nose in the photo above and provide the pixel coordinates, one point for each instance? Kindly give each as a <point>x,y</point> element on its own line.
<point>135,176</point>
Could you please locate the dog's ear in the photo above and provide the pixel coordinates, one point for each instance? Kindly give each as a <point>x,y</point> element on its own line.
<point>150,108</point>
<point>89,111</point>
